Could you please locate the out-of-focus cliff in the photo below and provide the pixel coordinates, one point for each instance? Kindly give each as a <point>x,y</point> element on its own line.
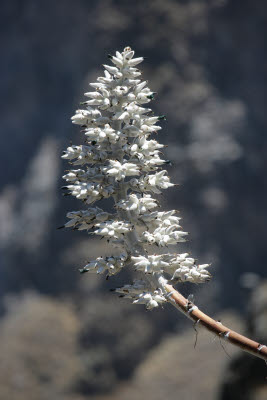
<point>207,62</point>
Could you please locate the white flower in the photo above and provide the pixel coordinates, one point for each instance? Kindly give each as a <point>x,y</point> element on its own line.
<point>82,117</point>
<point>153,163</point>
<point>94,174</point>
<point>140,294</point>
<point>134,61</point>
<point>90,192</point>
<point>152,183</point>
<point>125,59</point>
<point>165,236</point>
<point>148,147</point>
<point>141,262</point>
<point>98,99</point>
<point>112,265</point>
<point>160,180</point>
<point>142,125</point>
<point>131,111</point>
<point>151,300</point>
<point>193,274</point>
<point>160,219</point>
<point>107,79</point>
<point>150,264</point>
<point>104,134</point>
<point>73,175</point>
<point>137,203</point>
<point>84,155</point>
<point>120,171</point>
<point>85,219</point>
<point>112,229</point>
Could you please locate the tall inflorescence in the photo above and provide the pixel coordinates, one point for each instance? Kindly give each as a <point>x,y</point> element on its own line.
<point>120,160</point>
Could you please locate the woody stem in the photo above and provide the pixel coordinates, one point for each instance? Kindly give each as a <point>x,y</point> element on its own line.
<point>192,312</point>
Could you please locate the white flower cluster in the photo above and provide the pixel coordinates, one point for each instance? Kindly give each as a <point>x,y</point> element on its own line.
<point>181,267</point>
<point>160,219</point>
<point>84,154</point>
<point>140,294</point>
<point>86,219</point>
<point>105,134</point>
<point>164,236</point>
<point>90,192</point>
<point>121,170</point>
<point>110,264</point>
<point>114,231</point>
<point>139,204</point>
<point>151,183</point>
<point>120,160</point>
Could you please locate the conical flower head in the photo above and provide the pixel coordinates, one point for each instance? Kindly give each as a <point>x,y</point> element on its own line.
<point>122,160</point>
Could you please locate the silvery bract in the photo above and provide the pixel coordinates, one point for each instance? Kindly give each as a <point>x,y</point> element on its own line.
<point>120,160</point>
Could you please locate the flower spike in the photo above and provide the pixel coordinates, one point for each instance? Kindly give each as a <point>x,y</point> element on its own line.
<point>121,160</point>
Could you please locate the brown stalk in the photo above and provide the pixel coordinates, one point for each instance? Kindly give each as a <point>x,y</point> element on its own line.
<point>202,319</point>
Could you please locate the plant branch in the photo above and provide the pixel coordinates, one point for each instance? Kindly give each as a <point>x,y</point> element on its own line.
<point>192,312</point>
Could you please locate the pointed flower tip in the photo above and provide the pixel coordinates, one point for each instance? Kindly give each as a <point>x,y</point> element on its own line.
<point>83,270</point>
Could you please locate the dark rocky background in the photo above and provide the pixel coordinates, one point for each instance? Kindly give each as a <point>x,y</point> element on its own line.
<point>63,335</point>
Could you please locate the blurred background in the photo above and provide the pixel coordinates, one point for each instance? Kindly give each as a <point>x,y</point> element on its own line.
<point>64,336</point>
